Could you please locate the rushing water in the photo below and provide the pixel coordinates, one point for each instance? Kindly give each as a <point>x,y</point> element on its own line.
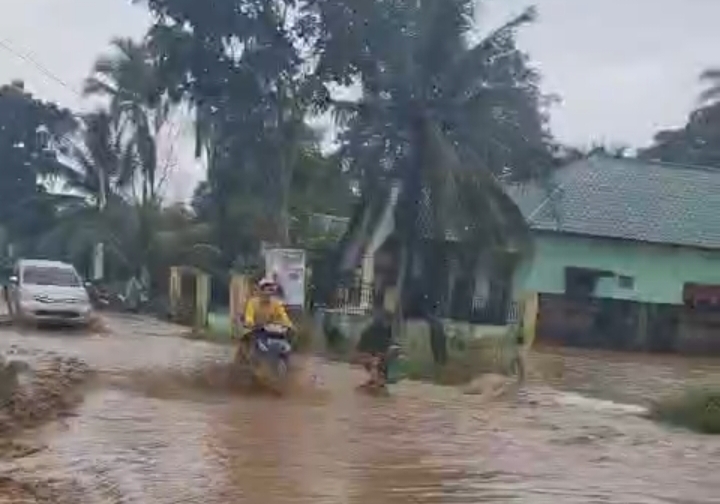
<point>163,426</point>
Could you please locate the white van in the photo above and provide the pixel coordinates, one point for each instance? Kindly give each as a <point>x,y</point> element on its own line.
<point>48,291</point>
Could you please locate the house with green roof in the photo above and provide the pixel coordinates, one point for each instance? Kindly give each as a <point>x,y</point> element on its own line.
<point>626,255</point>
<point>634,242</point>
<point>468,283</point>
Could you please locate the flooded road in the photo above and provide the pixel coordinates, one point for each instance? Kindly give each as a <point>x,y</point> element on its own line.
<point>161,425</point>
<point>624,377</point>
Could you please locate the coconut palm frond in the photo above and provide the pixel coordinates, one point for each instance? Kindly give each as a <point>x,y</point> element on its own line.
<point>130,79</point>
<point>469,201</point>
<point>711,77</point>
<point>710,74</point>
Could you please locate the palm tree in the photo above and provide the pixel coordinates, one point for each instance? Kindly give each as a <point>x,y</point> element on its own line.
<point>239,68</point>
<point>695,142</point>
<point>711,94</point>
<point>138,103</point>
<point>100,165</point>
<point>443,119</point>
<point>130,80</point>
<point>97,168</point>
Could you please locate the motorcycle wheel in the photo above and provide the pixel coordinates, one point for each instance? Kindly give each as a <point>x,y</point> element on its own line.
<point>272,375</point>
<point>281,369</point>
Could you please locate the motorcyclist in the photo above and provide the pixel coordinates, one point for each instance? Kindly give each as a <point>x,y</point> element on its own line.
<point>262,309</point>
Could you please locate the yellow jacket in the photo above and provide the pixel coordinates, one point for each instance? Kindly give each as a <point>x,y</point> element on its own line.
<point>259,312</point>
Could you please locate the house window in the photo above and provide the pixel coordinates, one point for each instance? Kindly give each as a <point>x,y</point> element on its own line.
<point>626,282</point>
<point>702,297</point>
<point>581,282</point>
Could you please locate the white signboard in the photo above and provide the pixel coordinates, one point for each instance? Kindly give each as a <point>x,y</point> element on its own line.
<point>287,267</point>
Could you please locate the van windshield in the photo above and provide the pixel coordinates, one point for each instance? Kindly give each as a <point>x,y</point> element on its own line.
<point>60,277</point>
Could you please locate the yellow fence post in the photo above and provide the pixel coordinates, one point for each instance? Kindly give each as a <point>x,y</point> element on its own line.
<point>175,293</point>
<point>202,298</point>
<point>239,293</point>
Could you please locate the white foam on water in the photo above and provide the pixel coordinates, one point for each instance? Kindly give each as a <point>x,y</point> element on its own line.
<point>576,400</point>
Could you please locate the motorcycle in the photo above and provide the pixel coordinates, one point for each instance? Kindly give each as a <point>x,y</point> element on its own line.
<point>389,367</point>
<point>101,297</point>
<point>268,356</point>
<point>391,364</point>
<point>135,298</point>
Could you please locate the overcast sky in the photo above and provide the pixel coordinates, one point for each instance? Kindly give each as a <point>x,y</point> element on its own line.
<point>623,68</point>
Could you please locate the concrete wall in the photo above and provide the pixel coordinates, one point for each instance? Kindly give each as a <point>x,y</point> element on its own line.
<point>659,272</point>
<point>460,337</point>
<point>416,341</point>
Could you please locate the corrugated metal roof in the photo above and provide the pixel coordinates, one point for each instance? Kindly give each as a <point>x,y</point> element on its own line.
<point>628,199</point>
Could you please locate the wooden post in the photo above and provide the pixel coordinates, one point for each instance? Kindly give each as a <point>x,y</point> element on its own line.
<point>175,293</point>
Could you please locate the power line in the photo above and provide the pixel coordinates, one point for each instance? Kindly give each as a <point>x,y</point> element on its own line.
<point>5,44</point>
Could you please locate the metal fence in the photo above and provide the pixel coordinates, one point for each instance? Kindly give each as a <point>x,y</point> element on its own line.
<point>482,311</point>
<point>355,298</point>
<point>493,310</point>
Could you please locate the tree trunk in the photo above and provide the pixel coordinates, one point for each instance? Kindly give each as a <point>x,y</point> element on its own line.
<point>284,212</point>
<point>410,202</point>
<point>406,226</point>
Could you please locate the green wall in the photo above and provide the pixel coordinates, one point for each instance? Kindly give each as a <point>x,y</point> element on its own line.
<point>659,272</point>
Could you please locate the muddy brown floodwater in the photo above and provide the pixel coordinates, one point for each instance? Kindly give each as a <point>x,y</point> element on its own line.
<point>161,425</point>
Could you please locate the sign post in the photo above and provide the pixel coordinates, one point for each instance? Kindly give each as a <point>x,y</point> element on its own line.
<point>287,268</point>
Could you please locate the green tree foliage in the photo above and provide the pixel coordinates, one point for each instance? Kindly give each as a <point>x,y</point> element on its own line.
<point>442,115</point>
<point>318,186</point>
<point>239,64</point>
<point>98,161</point>
<point>96,166</point>
<point>30,131</point>
<point>138,104</point>
<point>445,117</point>
<point>566,155</point>
<point>698,141</point>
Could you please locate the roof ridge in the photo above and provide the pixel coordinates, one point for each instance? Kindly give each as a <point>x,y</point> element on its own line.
<point>658,162</point>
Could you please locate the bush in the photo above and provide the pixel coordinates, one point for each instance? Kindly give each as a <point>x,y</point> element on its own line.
<point>697,409</point>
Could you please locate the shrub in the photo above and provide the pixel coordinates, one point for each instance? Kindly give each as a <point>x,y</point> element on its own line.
<point>697,409</point>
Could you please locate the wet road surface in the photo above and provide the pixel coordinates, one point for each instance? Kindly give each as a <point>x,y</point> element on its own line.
<point>163,426</point>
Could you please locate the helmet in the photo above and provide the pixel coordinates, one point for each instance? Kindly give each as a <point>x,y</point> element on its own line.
<point>266,283</point>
